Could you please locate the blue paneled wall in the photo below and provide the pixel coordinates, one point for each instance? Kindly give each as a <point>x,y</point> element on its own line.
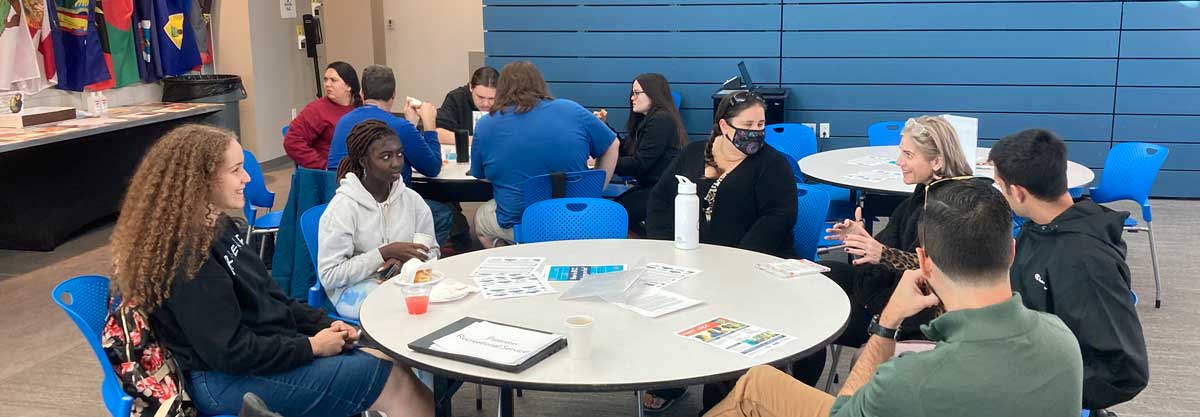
<point>1096,72</point>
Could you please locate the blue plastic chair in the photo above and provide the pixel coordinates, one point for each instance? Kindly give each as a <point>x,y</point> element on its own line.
<point>85,300</point>
<point>678,99</point>
<point>310,223</point>
<point>573,219</point>
<point>812,204</point>
<point>797,141</point>
<point>578,184</point>
<point>1129,173</point>
<point>258,196</point>
<point>885,133</point>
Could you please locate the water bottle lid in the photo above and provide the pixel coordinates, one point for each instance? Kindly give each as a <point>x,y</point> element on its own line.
<point>686,186</point>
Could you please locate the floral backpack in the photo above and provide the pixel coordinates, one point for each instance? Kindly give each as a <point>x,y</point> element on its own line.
<point>146,369</point>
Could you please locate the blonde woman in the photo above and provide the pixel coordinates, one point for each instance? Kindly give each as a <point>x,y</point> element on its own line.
<point>213,303</point>
<point>929,151</point>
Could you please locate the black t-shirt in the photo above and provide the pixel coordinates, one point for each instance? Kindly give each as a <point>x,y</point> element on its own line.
<point>456,111</point>
<point>232,317</point>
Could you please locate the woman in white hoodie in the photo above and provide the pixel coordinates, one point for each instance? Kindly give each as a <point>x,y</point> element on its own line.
<point>371,221</point>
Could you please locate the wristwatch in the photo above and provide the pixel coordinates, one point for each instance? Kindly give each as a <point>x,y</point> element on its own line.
<point>876,329</point>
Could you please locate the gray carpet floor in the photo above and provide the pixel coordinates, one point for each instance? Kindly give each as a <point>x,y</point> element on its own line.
<point>48,370</point>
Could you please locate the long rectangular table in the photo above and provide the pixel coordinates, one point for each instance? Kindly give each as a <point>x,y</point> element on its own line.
<point>60,177</point>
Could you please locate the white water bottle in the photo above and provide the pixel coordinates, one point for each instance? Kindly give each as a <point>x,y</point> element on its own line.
<point>687,215</point>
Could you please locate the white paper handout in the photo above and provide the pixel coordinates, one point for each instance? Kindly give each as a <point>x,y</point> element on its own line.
<point>870,161</point>
<point>651,301</point>
<point>501,286</point>
<point>735,336</point>
<point>791,268</point>
<point>967,129</point>
<point>878,175</point>
<point>508,265</point>
<point>495,343</point>
<point>661,275</point>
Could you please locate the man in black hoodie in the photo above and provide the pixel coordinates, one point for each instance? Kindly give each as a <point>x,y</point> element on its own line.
<point>1070,261</point>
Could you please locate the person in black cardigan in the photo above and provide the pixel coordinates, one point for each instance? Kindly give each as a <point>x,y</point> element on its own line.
<point>656,134</point>
<point>747,197</point>
<point>929,151</point>
<point>214,306</point>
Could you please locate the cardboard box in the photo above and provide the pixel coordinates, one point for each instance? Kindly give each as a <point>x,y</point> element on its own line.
<point>36,116</point>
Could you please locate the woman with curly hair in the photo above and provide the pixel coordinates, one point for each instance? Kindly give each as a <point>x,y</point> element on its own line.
<point>213,303</point>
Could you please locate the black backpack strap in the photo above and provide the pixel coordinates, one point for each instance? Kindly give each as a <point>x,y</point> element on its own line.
<point>558,185</point>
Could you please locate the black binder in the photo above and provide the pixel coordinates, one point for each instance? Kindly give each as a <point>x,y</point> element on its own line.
<point>425,345</point>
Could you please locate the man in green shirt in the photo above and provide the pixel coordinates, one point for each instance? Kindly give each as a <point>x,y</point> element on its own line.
<point>994,357</point>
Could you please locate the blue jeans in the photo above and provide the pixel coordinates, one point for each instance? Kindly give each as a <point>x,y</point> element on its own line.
<point>443,220</point>
<point>341,385</point>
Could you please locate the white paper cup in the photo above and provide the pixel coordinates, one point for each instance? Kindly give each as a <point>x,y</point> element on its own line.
<point>579,336</point>
<point>428,241</point>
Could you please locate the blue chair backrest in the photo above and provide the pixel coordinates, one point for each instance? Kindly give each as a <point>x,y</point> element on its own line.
<point>85,300</point>
<point>578,184</point>
<point>1129,172</point>
<point>794,140</point>
<point>885,133</point>
<point>283,132</point>
<point>256,192</point>
<point>678,99</point>
<point>812,207</point>
<point>310,223</point>
<point>573,219</point>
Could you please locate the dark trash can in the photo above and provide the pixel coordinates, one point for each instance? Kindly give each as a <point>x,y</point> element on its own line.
<point>224,89</point>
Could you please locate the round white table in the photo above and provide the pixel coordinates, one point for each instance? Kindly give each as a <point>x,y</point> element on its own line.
<point>630,352</point>
<point>833,167</point>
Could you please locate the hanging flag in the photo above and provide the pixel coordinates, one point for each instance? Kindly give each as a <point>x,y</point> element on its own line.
<point>19,68</point>
<point>145,43</point>
<point>37,16</point>
<point>80,60</point>
<point>176,41</point>
<point>114,20</point>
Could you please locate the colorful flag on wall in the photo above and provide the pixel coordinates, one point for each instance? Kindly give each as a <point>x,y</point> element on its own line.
<point>114,20</point>
<point>37,16</point>
<point>19,67</point>
<point>176,41</point>
<point>80,61</point>
<point>145,43</point>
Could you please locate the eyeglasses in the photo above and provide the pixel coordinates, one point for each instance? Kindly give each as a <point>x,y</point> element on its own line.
<point>911,122</point>
<point>745,95</point>
<point>635,93</point>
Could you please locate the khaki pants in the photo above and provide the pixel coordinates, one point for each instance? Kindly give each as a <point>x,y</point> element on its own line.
<point>487,225</point>
<point>768,392</point>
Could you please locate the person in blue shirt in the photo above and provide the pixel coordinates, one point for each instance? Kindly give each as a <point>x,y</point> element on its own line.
<point>421,148</point>
<point>529,133</point>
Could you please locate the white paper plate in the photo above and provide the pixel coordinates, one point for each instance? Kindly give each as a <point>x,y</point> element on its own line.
<point>450,290</point>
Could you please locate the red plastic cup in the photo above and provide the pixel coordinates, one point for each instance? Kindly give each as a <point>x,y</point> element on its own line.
<point>417,304</point>
<point>416,298</point>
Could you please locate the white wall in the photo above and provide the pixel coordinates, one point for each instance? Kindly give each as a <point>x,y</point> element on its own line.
<point>253,41</point>
<point>427,44</point>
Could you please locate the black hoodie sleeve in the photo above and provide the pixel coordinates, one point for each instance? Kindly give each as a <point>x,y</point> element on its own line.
<point>207,311</point>
<point>1096,304</point>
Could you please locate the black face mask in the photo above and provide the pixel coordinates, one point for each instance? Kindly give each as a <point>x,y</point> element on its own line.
<point>748,141</point>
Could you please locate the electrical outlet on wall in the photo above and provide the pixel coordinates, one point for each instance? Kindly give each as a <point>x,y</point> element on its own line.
<point>293,113</point>
<point>812,126</point>
<point>823,131</point>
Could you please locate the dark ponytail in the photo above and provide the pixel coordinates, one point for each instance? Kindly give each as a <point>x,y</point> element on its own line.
<point>358,142</point>
<point>350,77</point>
